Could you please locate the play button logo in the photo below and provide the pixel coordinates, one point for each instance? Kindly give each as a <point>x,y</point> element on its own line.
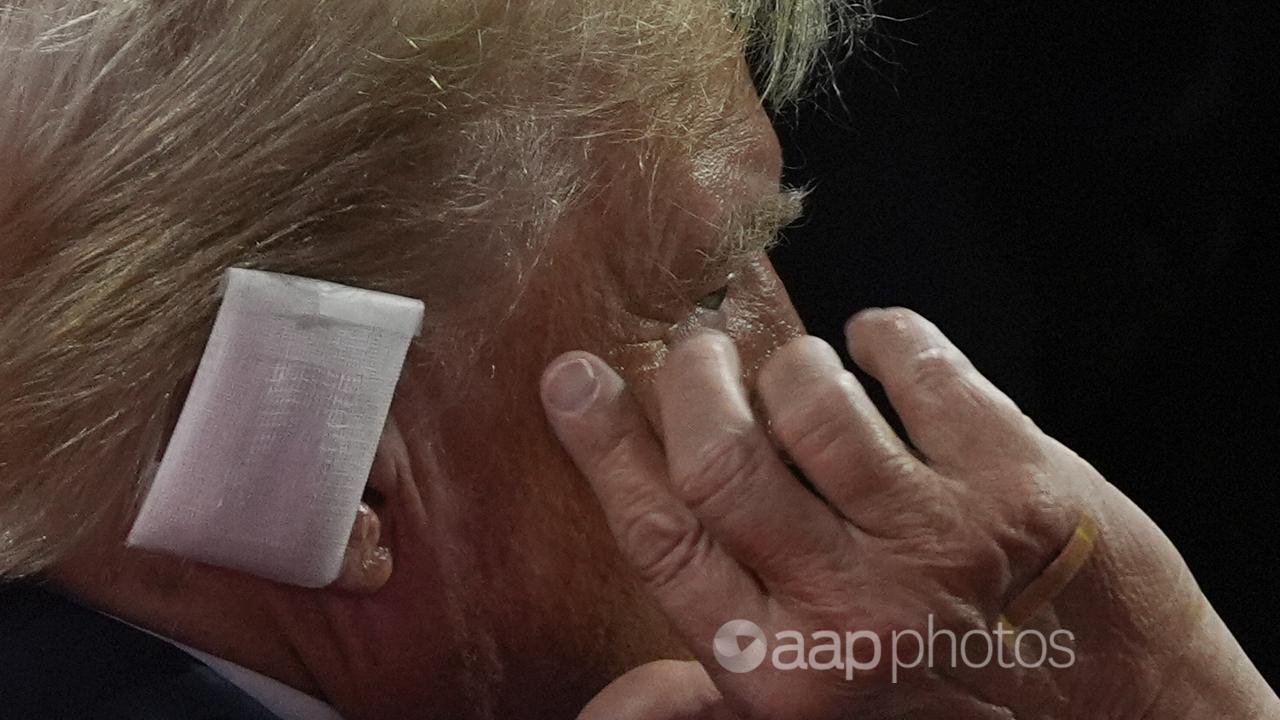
<point>740,646</point>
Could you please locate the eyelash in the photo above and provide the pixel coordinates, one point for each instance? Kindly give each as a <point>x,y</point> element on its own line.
<point>715,299</point>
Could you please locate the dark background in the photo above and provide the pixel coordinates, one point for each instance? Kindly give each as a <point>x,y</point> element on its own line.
<point>1080,195</point>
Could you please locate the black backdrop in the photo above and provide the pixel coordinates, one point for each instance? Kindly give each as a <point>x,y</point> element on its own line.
<point>1080,195</point>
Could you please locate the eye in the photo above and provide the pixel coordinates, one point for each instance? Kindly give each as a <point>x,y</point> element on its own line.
<point>713,300</point>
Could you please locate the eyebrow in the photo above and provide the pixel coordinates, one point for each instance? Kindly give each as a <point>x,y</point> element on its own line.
<point>737,241</point>
<point>753,229</point>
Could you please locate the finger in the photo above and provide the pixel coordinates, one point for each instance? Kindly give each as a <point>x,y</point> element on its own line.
<point>833,431</point>
<point>952,413</point>
<point>661,690</point>
<point>723,466</point>
<point>609,439</point>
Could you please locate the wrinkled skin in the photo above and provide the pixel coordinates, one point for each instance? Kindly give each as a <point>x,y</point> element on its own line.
<point>509,596</point>
<point>506,594</point>
<point>720,529</point>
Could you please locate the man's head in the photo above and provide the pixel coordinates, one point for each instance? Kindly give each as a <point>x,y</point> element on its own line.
<point>545,176</point>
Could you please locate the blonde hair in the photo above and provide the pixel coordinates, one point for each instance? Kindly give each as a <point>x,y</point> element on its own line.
<point>412,146</point>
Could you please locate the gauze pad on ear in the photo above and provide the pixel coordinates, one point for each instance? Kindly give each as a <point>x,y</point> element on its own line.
<point>273,447</point>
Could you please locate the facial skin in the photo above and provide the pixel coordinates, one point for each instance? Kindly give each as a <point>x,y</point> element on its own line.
<point>507,596</point>
<point>511,569</point>
<point>538,591</point>
<point>501,591</point>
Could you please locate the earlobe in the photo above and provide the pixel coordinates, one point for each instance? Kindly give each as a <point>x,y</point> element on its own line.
<point>366,565</point>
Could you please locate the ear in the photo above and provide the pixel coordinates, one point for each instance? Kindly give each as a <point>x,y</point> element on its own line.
<point>367,563</point>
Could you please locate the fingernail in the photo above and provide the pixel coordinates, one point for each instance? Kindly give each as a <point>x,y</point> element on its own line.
<point>571,386</point>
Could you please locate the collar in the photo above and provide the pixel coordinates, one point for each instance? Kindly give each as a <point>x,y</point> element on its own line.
<point>286,702</point>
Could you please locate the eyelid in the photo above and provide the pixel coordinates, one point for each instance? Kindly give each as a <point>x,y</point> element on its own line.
<point>717,296</point>
<point>691,316</point>
<point>698,318</point>
<point>650,327</point>
<point>682,296</point>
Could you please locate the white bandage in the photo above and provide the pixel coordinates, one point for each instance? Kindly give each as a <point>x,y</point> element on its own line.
<point>273,447</point>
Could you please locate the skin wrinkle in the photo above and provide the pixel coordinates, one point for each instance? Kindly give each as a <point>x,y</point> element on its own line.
<point>453,87</point>
<point>962,564</point>
<point>725,238</point>
<point>687,272</point>
<point>503,213</point>
<point>470,630</point>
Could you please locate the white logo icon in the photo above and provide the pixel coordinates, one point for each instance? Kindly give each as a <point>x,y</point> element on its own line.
<point>732,654</point>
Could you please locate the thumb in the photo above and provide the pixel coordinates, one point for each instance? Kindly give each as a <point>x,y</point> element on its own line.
<point>660,690</point>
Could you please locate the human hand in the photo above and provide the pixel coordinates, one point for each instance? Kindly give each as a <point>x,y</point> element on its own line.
<point>899,545</point>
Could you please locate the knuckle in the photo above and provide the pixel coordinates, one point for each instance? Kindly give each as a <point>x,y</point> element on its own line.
<point>944,373</point>
<point>815,429</point>
<point>894,467</point>
<point>701,349</point>
<point>940,382</point>
<point>937,371</point>
<point>611,449</point>
<point>663,546</point>
<point>725,467</point>
<point>804,357</point>
<point>979,565</point>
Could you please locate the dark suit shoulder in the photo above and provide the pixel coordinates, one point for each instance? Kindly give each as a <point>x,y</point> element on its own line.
<point>59,660</point>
